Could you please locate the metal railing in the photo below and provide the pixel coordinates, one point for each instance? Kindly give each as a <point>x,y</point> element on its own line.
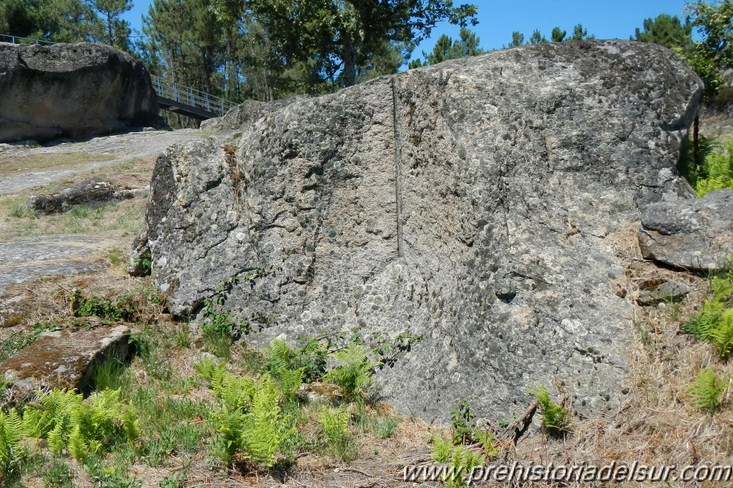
<point>22,40</point>
<point>173,91</point>
<point>191,96</point>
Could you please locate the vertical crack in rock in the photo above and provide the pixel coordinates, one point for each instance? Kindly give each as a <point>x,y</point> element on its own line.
<point>398,167</point>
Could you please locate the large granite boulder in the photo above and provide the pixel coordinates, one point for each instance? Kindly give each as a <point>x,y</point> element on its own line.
<point>693,234</point>
<point>466,203</point>
<point>71,90</point>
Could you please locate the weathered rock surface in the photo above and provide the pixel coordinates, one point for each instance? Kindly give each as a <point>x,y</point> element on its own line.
<point>30,258</point>
<point>71,90</point>
<point>695,234</point>
<point>61,359</point>
<point>466,203</point>
<point>243,114</point>
<point>92,192</point>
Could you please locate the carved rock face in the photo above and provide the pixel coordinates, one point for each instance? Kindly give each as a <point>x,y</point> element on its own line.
<point>466,203</point>
<point>71,90</point>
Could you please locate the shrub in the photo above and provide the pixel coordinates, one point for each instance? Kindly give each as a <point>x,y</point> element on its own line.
<point>555,417</point>
<point>707,390</point>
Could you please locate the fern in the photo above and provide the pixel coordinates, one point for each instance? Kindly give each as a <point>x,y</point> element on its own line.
<point>442,450</point>
<point>714,322</point>
<point>555,417</point>
<point>84,428</point>
<point>11,449</point>
<point>236,393</point>
<point>487,441</point>
<point>721,335</point>
<point>354,372</point>
<point>707,390</point>
<point>460,460</point>
<point>210,371</point>
<point>463,461</point>
<point>335,424</point>
<point>265,429</point>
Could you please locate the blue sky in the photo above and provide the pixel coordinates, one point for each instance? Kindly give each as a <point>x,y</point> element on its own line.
<point>607,19</point>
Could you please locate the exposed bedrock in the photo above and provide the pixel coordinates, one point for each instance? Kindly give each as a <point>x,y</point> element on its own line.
<point>467,203</point>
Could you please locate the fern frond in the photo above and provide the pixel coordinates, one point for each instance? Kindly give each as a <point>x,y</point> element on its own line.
<point>707,390</point>
<point>442,449</point>
<point>78,447</point>
<point>265,428</point>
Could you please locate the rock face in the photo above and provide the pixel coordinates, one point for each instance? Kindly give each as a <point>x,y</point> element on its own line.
<point>693,234</point>
<point>61,359</point>
<point>466,203</point>
<point>243,114</point>
<point>71,90</point>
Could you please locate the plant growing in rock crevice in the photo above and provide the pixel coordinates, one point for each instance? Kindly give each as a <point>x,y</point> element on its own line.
<point>555,417</point>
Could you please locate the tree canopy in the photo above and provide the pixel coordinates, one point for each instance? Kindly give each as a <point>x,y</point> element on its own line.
<point>447,48</point>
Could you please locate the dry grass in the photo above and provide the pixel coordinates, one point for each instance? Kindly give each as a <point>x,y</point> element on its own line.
<point>10,166</point>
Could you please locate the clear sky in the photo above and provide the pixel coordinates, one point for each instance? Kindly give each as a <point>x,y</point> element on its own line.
<point>606,19</point>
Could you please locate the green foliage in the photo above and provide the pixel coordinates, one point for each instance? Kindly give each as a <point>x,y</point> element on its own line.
<point>580,33</point>
<point>218,327</point>
<point>112,29</point>
<point>265,429</point>
<point>461,461</point>
<point>716,172</point>
<point>385,428</point>
<point>714,322</point>
<point>442,450</point>
<point>59,475</point>
<point>107,373</point>
<point>210,371</point>
<point>249,419</point>
<point>462,423</point>
<point>517,39</point>
<point>12,452</point>
<point>84,428</point>
<point>447,48</point>
<point>666,30</point>
<point>707,390</point>
<point>109,310</point>
<point>537,37</point>
<point>354,371</point>
<point>558,35</point>
<point>555,417</point>
<point>487,440</point>
<point>335,425</point>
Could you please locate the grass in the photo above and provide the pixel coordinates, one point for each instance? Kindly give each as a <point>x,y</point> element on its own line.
<point>38,162</point>
<point>114,220</point>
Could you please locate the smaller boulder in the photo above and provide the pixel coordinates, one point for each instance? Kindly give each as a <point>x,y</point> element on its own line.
<point>61,359</point>
<point>667,292</point>
<point>694,234</point>
<point>93,192</point>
